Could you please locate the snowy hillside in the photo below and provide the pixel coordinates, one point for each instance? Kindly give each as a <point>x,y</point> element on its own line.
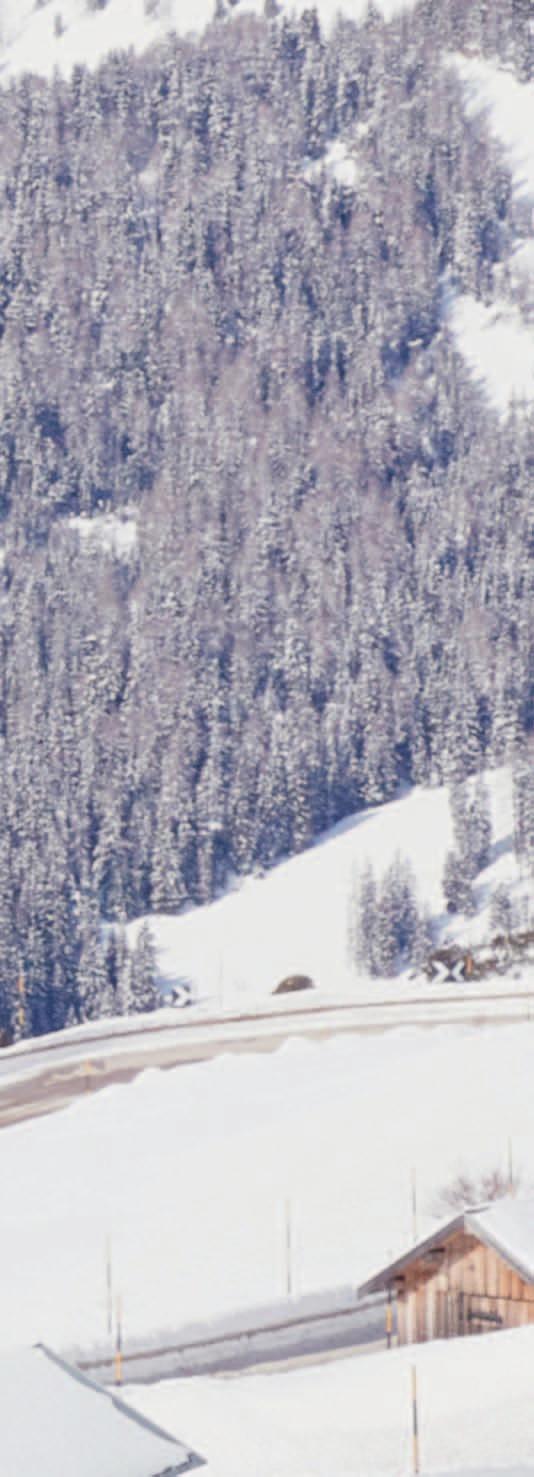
<point>352,1418</point>
<point>187,1171</point>
<point>296,919</point>
<point>65,33</point>
<point>496,339</point>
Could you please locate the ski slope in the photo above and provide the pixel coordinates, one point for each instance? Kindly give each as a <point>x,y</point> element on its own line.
<point>64,33</point>
<point>296,919</point>
<point>184,1176</point>
<point>352,1418</point>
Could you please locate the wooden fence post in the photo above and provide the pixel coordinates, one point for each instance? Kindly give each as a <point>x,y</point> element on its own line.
<point>415,1424</point>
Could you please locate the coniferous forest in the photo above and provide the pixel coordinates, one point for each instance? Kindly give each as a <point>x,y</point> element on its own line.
<point>209,335</point>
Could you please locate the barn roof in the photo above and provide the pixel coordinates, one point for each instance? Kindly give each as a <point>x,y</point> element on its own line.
<point>507,1226</point>
<point>53,1420</point>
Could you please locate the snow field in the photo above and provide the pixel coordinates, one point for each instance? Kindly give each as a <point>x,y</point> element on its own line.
<point>295,920</point>
<point>108,532</point>
<point>32,40</point>
<point>498,347</point>
<point>188,1173</point>
<point>509,108</point>
<point>352,1417</point>
<point>495,340</point>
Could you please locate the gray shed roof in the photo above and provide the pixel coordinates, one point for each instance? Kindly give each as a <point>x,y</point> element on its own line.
<point>53,1420</point>
<point>506,1225</point>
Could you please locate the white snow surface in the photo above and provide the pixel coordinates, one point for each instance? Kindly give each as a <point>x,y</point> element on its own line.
<point>352,1417</point>
<point>110,532</point>
<point>30,39</point>
<point>508,105</point>
<point>188,1172</point>
<point>54,1424</point>
<point>498,346</point>
<point>295,920</point>
<point>495,339</point>
<point>339,162</point>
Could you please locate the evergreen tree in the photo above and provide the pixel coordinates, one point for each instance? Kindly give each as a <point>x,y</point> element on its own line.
<point>145,993</point>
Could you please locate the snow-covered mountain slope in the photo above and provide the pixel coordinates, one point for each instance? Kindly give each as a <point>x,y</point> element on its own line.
<point>498,346</point>
<point>296,919</point>
<point>188,1171</point>
<point>496,340</point>
<point>509,108</point>
<point>109,533</point>
<point>353,1417</point>
<point>64,33</point>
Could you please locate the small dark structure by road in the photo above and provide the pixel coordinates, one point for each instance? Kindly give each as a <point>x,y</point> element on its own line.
<point>474,1274</point>
<point>54,1420</point>
<point>294,982</point>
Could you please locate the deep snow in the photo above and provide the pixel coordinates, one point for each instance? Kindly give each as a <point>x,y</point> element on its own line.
<point>188,1171</point>
<point>352,1417</point>
<point>296,919</point>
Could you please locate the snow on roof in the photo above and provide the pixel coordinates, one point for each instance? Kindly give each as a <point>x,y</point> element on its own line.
<point>54,1420</point>
<point>506,1225</point>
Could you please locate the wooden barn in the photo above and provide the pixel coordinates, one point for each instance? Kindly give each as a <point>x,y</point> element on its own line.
<point>475,1274</point>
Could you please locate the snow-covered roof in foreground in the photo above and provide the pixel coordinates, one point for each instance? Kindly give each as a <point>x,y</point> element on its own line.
<point>506,1225</point>
<point>54,1421</point>
<point>64,33</point>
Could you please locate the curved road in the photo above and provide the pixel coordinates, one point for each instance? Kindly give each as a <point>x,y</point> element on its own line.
<point>41,1078</point>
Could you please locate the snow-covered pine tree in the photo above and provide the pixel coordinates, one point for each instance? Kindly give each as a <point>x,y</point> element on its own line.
<point>523,794</point>
<point>502,911</point>
<point>145,993</point>
<point>422,941</point>
<point>457,883</point>
<point>367,950</point>
<point>479,826</point>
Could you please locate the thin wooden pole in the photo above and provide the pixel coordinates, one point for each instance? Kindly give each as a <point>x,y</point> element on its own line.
<point>118,1343</point>
<point>109,1287</point>
<point>389,1319</point>
<point>415,1424</point>
<point>289,1251</point>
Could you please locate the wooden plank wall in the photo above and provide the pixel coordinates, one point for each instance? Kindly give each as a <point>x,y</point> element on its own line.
<point>467,1289</point>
